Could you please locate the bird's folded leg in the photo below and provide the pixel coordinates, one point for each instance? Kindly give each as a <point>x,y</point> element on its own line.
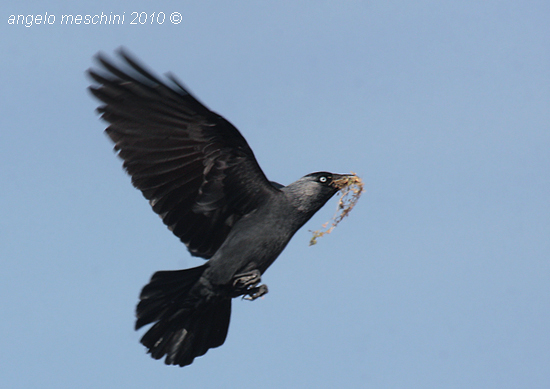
<point>245,285</point>
<point>245,280</point>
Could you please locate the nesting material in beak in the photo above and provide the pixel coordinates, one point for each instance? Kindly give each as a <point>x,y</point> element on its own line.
<point>351,187</point>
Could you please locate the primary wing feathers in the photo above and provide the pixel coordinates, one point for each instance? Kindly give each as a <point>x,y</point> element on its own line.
<point>194,167</point>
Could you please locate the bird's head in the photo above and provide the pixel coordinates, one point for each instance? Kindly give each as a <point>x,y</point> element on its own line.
<point>312,191</point>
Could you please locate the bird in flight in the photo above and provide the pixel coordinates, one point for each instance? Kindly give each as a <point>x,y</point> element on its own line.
<point>201,177</point>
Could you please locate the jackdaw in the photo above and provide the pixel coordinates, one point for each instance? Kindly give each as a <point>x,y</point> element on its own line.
<point>201,177</point>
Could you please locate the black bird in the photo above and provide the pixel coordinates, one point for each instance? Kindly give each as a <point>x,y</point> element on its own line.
<point>201,177</point>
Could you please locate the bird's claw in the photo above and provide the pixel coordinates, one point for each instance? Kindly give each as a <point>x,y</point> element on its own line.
<point>246,285</point>
<point>253,293</point>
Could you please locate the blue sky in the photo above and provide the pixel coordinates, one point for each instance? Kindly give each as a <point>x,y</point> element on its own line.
<point>438,279</point>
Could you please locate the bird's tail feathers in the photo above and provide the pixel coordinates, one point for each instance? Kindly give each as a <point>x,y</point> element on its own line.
<point>187,324</point>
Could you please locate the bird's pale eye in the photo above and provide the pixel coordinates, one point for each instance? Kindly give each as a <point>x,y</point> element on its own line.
<point>323,179</point>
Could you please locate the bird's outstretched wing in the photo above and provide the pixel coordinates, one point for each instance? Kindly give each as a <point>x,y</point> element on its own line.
<point>194,167</point>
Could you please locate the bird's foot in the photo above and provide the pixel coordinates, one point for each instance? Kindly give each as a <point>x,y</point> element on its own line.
<point>253,293</point>
<point>246,285</point>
